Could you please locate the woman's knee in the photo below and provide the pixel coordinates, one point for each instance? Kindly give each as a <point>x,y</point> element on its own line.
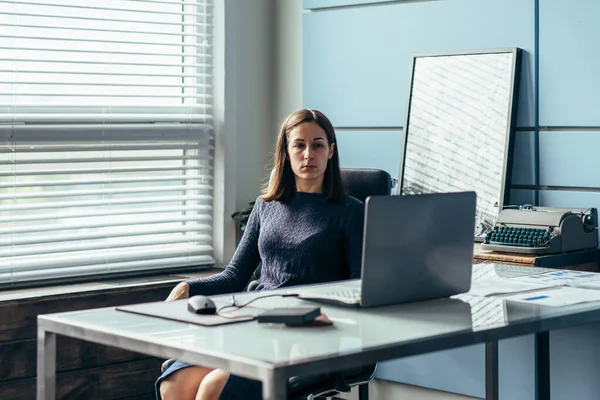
<point>183,384</point>
<point>172,390</point>
<point>212,385</point>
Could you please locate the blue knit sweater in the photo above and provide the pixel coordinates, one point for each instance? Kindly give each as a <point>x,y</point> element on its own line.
<point>306,240</point>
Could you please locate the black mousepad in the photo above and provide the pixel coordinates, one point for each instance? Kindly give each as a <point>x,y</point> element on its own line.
<point>177,311</point>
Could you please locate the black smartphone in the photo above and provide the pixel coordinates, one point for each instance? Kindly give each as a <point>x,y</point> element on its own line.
<point>292,315</point>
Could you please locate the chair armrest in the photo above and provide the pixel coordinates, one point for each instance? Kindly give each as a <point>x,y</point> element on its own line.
<point>252,286</point>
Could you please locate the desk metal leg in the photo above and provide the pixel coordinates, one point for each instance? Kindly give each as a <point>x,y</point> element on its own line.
<point>46,365</point>
<point>363,391</point>
<point>542,366</point>
<point>275,386</point>
<point>491,370</point>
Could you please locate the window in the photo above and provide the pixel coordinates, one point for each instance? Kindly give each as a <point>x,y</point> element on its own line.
<point>105,137</point>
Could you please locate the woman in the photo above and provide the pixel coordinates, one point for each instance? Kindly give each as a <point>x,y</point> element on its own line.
<point>304,230</point>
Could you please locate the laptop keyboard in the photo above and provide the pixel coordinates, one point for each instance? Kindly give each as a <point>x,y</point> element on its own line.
<point>339,294</point>
<point>344,294</point>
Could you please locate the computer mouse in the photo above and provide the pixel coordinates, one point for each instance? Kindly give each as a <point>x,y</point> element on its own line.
<point>201,305</point>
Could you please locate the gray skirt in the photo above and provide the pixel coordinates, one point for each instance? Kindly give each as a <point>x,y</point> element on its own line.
<point>236,388</point>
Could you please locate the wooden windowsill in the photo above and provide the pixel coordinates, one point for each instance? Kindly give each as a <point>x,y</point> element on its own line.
<point>102,285</point>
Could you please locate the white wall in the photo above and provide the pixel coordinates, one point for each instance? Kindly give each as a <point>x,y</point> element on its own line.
<point>258,81</point>
<point>288,58</point>
<point>244,60</point>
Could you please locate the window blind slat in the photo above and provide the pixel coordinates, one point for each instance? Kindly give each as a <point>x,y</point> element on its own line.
<point>104,20</point>
<point>99,148</point>
<point>106,41</point>
<point>72,247</point>
<point>137,32</point>
<point>20,206</point>
<point>116,256</point>
<point>201,209</point>
<point>7,278</point>
<point>118,133</point>
<point>19,161</point>
<point>107,222</point>
<point>94,63</point>
<point>104,192</point>
<point>80,117</point>
<point>102,233</point>
<point>128,95</point>
<point>99,73</point>
<point>119,9</point>
<point>106,137</point>
<point>100,181</point>
<point>108,84</point>
<point>100,170</point>
<point>109,52</point>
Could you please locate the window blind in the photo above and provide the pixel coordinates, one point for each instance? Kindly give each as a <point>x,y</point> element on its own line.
<point>106,137</point>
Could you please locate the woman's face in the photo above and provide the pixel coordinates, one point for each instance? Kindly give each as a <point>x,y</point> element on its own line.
<point>308,152</point>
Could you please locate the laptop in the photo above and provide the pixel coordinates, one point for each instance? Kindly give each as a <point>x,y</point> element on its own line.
<point>415,247</point>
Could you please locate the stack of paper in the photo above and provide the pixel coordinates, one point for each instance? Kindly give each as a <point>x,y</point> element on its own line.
<point>580,279</point>
<point>561,296</point>
<point>501,286</point>
<point>554,288</point>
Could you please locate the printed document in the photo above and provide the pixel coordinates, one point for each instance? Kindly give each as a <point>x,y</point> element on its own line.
<point>561,296</point>
<point>580,279</point>
<point>500,286</point>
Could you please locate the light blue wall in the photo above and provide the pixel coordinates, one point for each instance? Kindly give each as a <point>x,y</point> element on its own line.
<point>569,62</point>
<point>355,148</point>
<point>356,60</point>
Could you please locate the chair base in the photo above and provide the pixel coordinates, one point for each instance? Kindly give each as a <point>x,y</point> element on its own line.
<point>363,391</point>
<point>337,383</point>
<point>165,365</point>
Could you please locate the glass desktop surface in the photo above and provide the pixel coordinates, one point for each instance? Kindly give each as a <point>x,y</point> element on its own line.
<point>354,330</point>
<point>457,128</point>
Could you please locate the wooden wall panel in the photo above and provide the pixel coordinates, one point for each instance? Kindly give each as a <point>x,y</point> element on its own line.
<point>20,357</point>
<point>116,381</point>
<point>84,370</point>
<point>18,318</point>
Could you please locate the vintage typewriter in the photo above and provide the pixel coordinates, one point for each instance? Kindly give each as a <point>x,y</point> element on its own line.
<point>543,230</point>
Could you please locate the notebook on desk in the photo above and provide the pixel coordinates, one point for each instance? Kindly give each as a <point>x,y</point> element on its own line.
<point>416,247</point>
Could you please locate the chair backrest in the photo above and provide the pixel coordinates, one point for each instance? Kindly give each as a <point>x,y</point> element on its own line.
<point>364,182</point>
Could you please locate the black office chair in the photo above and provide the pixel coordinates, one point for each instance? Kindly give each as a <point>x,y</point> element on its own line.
<point>360,183</point>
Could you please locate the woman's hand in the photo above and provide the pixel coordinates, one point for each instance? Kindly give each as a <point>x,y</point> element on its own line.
<point>181,291</point>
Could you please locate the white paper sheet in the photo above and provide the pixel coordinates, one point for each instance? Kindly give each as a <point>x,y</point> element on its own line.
<point>558,296</point>
<point>580,279</point>
<point>500,286</point>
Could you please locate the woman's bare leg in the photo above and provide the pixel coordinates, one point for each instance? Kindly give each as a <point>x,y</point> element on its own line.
<point>212,385</point>
<point>183,384</point>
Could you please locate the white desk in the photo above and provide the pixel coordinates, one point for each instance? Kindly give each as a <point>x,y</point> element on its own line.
<point>272,354</point>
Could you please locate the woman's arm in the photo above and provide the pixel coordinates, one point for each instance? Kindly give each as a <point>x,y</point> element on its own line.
<point>245,260</point>
<point>354,238</point>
